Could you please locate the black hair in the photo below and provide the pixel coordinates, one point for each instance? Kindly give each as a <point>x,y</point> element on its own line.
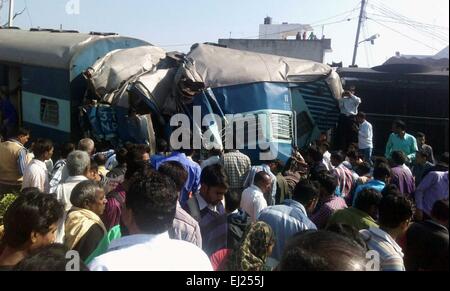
<point>305,191</point>
<point>362,115</point>
<point>423,153</point>
<point>381,172</point>
<point>440,210</point>
<point>232,200</point>
<point>134,160</point>
<point>328,182</point>
<point>315,154</point>
<point>368,198</point>
<point>214,176</point>
<point>176,172</point>
<point>398,157</point>
<point>100,159</point>
<point>420,135</point>
<point>353,155</point>
<point>41,146</point>
<point>121,156</point>
<point>93,166</point>
<point>444,158</point>
<point>400,124</point>
<point>279,165</point>
<point>261,177</point>
<point>338,156</point>
<point>348,231</point>
<point>322,251</point>
<point>66,149</point>
<point>394,210</point>
<point>48,258</point>
<point>325,144</point>
<point>380,160</point>
<point>363,169</point>
<point>20,131</point>
<point>162,146</point>
<point>152,198</point>
<point>30,212</point>
<point>391,189</point>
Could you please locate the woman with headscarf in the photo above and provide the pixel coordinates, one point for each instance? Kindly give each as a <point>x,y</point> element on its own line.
<point>256,247</point>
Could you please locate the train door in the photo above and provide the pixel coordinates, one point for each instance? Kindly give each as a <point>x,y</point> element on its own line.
<point>14,89</point>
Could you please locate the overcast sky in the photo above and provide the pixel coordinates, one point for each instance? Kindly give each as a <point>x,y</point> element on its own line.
<point>176,24</point>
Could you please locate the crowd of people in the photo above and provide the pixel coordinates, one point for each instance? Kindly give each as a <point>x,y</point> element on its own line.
<point>134,209</point>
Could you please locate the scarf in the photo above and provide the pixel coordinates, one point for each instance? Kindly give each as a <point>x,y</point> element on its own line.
<point>78,223</point>
<point>252,254</point>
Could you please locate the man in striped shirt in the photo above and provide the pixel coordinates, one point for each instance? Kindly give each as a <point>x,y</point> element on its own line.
<point>344,175</point>
<point>395,213</point>
<point>329,203</point>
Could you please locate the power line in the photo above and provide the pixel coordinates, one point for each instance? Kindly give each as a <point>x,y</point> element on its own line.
<point>413,39</point>
<point>337,15</point>
<point>420,27</point>
<point>28,13</point>
<point>414,24</point>
<point>419,23</point>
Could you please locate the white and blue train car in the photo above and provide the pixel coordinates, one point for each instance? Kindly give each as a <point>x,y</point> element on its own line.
<point>43,70</point>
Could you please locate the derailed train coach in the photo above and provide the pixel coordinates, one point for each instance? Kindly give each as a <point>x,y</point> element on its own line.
<point>119,89</point>
<point>42,72</point>
<point>266,103</point>
<point>227,98</point>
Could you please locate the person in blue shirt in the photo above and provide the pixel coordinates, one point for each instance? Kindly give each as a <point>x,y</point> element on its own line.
<point>381,177</point>
<point>399,140</point>
<point>291,217</point>
<point>8,113</point>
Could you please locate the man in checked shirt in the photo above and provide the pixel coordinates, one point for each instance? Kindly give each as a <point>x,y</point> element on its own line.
<point>236,165</point>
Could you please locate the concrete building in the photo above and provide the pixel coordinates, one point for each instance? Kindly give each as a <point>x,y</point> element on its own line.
<point>286,39</point>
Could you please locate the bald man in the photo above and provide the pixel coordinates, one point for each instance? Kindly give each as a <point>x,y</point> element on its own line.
<point>253,200</point>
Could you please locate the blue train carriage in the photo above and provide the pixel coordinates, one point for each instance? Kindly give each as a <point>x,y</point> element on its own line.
<point>297,99</point>
<point>47,68</point>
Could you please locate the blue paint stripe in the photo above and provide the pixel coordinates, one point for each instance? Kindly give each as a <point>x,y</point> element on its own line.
<point>56,136</point>
<point>46,81</point>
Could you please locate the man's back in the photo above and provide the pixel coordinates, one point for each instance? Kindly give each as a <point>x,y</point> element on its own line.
<point>236,165</point>
<point>9,154</point>
<point>151,253</point>
<point>403,178</point>
<point>286,220</point>
<point>427,247</point>
<point>253,201</point>
<point>353,217</point>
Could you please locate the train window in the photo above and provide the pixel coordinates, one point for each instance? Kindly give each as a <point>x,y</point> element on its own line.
<point>49,111</point>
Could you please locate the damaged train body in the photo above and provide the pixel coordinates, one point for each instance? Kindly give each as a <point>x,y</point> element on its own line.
<point>121,89</point>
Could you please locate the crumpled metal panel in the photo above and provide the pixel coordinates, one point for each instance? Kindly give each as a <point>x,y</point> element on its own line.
<point>109,74</point>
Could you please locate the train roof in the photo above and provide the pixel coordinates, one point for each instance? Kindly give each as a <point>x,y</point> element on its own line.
<point>49,48</point>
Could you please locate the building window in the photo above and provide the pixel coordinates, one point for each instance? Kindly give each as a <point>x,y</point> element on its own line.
<point>49,112</point>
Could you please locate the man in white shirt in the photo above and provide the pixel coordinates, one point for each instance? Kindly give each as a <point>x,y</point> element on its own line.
<point>148,215</point>
<point>253,200</point>
<point>365,137</point>
<point>36,172</point>
<point>78,165</point>
<point>348,127</point>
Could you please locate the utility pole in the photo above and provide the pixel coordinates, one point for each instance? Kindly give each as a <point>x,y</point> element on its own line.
<point>361,15</point>
<point>11,13</point>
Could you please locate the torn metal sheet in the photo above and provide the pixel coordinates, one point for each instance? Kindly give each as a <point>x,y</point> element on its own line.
<point>108,75</point>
